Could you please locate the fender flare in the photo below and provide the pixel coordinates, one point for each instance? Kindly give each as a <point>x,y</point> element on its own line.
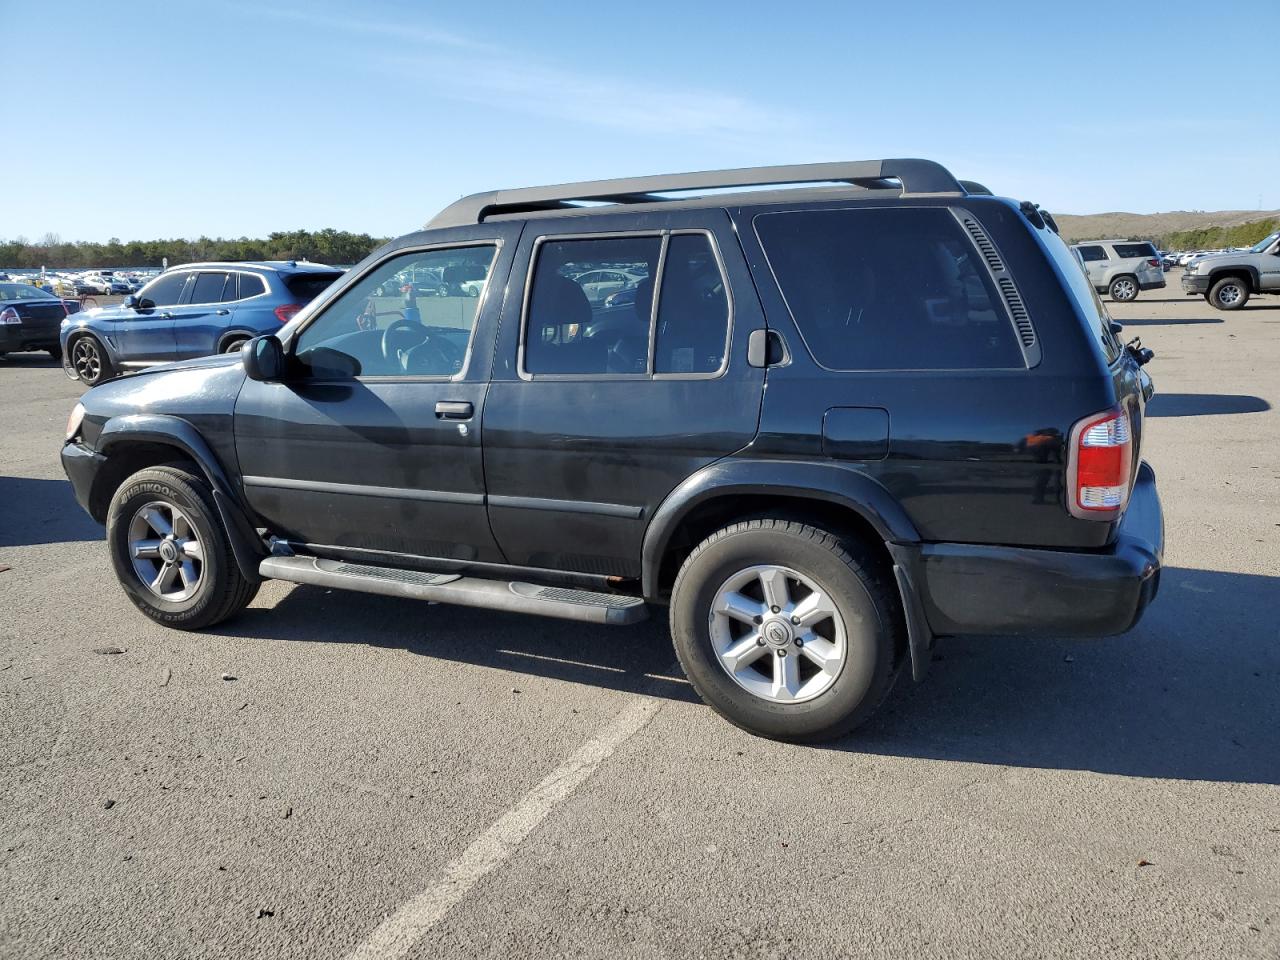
<point>1255,278</point>
<point>829,482</point>
<point>173,431</point>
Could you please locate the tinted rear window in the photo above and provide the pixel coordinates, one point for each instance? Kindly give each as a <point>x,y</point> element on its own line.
<point>1081,290</point>
<point>1126,251</point>
<point>307,286</point>
<point>888,289</point>
<point>251,285</point>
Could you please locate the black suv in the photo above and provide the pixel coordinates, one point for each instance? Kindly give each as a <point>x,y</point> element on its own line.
<point>828,422</point>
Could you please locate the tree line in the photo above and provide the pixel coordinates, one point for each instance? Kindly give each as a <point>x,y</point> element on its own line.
<point>322,246</point>
<point>1211,238</point>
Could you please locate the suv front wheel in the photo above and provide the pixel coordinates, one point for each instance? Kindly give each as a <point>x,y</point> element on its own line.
<point>170,551</point>
<point>1229,293</point>
<point>786,630</point>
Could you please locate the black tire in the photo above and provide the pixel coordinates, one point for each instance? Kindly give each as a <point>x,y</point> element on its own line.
<point>56,352</point>
<point>89,360</point>
<point>222,590</point>
<point>1229,293</point>
<point>1123,289</point>
<point>233,344</point>
<point>862,592</point>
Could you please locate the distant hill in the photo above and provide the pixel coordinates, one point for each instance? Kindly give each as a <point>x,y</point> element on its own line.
<point>1154,226</point>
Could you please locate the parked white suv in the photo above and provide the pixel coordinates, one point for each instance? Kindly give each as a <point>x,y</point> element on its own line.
<point>1121,268</point>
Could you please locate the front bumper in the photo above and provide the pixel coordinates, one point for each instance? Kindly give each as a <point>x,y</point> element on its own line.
<point>1194,283</point>
<point>973,589</point>
<point>81,466</point>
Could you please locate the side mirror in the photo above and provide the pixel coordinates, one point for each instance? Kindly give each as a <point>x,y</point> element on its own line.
<point>263,358</point>
<point>130,301</point>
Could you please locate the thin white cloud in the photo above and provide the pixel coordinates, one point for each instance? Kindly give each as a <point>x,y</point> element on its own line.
<point>398,30</point>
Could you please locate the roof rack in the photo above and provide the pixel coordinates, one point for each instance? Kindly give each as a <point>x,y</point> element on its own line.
<point>917,178</point>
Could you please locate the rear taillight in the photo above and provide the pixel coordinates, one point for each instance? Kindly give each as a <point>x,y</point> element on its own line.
<point>9,315</point>
<point>1153,263</point>
<point>1099,465</point>
<point>286,312</point>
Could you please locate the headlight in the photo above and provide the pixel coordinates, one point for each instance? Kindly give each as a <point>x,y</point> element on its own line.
<point>74,421</point>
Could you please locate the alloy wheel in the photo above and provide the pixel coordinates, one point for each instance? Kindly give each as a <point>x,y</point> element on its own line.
<point>166,551</point>
<point>1229,295</point>
<point>86,360</point>
<point>778,634</point>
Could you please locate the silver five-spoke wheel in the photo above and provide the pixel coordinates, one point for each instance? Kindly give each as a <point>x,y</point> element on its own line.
<point>166,551</point>
<point>777,634</point>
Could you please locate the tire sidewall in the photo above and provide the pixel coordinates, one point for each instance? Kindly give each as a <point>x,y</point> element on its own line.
<point>1217,289</point>
<point>159,484</point>
<point>855,693</point>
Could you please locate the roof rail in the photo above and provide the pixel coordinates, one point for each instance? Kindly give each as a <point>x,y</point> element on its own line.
<point>917,177</point>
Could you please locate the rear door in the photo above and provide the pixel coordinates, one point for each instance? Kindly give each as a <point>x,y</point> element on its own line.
<point>198,323</point>
<point>597,413</point>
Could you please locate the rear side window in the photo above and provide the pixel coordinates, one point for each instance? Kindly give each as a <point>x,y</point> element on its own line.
<point>888,289</point>
<point>305,287</point>
<point>1126,251</point>
<point>229,291</point>
<point>251,285</point>
<point>1082,292</point>
<point>1090,254</point>
<point>580,320</point>
<point>693,309</point>
<point>208,288</point>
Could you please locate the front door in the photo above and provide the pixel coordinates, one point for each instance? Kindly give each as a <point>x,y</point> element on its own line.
<point>599,409</point>
<point>372,444</point>
<point>145,334</point>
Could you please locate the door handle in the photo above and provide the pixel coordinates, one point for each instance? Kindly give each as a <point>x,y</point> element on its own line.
<point>454,409</point>
<point>222,313</point>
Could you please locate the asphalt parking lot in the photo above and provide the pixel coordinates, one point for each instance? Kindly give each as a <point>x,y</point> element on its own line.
<point>340,774</point>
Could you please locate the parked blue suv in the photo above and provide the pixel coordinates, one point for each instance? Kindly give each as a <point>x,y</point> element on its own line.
<point>190,311</point>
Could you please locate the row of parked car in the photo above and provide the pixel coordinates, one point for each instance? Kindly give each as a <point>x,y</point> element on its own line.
<point>86,284</point>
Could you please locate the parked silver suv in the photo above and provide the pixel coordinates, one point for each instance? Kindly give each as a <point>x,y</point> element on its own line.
<point>1226,280</point>
<point>1120,268</point>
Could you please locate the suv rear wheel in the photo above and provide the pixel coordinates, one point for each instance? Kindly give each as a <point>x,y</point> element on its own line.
<point>1229,293</point>
<point>170,551</point>
<point>786,630</point>
<point>1123,289</point>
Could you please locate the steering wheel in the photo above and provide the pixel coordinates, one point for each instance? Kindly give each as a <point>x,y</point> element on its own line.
<point>435,356</point>
<point>401,335</point>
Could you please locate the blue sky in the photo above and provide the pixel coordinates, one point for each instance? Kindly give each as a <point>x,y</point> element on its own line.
<point>237,117</point>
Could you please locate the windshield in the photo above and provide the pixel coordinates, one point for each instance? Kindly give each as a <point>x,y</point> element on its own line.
<point>23,291</point>
<point>1261,245</point>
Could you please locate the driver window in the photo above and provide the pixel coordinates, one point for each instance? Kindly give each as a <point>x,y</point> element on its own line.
<point>412,316</point>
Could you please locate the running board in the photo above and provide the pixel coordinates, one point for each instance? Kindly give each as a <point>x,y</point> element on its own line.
<point>583,605</point>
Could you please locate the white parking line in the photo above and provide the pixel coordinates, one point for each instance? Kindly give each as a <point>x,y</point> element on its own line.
<point>396,935</point>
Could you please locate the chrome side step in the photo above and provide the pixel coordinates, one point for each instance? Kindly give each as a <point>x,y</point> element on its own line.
<point>583,605</point>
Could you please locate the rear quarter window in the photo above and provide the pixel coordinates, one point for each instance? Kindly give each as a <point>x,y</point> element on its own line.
<point>307,286</point>
<point>1081,291</point>
<point>898,288</point>
<point>1127,251</point>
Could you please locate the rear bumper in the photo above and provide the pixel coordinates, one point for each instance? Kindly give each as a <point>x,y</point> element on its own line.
<point>972,589</point>
<point>1151,284</point>
<point>17,337</point>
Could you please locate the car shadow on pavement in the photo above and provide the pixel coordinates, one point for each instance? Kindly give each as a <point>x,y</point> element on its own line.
<point>33,359</point>
<point>1203,404</point>
<point>42,511</point>
<point>635,659</point>
<point>1189,694</point>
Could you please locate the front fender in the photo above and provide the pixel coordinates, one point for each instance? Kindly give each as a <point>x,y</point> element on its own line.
<point>1255,278</point>
<point>173,431</point>
<point>832,482</point>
